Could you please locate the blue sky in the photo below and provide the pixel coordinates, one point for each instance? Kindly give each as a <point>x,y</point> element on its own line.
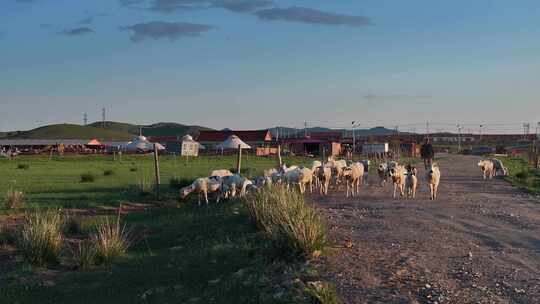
<point>258,63</point>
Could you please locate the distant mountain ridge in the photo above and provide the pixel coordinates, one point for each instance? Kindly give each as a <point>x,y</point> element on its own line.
<point>292,132</point>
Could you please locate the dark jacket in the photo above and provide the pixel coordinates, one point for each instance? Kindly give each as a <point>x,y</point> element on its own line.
<point>427,151</point>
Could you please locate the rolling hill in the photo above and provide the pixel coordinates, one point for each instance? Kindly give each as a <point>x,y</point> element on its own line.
<point>111,131</point>
<point>71,131</point>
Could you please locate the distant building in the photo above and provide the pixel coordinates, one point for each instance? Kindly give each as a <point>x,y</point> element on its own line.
<point>375,148</point>
<point>316,144</point>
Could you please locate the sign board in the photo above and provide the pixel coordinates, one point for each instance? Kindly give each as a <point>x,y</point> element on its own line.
<point>190,148</point>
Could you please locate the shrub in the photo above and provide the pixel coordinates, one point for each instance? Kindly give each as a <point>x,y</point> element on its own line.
<point>40,239</point>
<point>84,254</point>
<point>7,236</point>
<point>23,166</point>
<point>71,225</point>
<point>294,227</point>
<point>112,240</point>
<point>145,184</point>
<point>177,183</point>
<point>524,174</point>
<point>322,293</point>
<point>133,169</point>
<point>14,199</point>
<point>88,178</point>
<point>108,172</point>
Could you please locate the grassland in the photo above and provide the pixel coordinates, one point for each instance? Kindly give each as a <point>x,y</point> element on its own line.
<point>57,182</point>
<point>185,253</point>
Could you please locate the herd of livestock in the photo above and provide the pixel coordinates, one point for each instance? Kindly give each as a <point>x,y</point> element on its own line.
<point>336,173</point>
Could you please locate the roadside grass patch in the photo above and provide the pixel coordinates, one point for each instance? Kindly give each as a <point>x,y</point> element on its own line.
<point>322,293</point>
<point>40,238</point>
<point>14,199</point>
<point>294,227</point>
<point>178,183</point>
<point>88,177</point>
<point>522,175</point>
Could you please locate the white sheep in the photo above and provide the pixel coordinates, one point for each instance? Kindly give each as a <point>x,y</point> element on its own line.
<point>411,182</point>
<point>433,177</point>
<point>221,173</point>
<point>397,174</point>
<point>354,175</point>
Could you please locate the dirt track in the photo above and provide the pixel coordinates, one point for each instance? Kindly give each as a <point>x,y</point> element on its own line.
<point>478,243</point>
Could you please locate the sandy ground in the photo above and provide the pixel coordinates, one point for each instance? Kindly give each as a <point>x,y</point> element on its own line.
<point>478,243</point>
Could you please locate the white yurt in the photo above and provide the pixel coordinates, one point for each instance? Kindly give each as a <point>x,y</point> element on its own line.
<point>140,143</point>
<point>232,143</point>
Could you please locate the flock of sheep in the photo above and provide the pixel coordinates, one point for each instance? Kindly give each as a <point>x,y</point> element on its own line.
<point>337,173</point>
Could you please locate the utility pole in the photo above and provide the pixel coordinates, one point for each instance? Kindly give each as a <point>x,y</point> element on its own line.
<point>538,130</point>
<point>354,125</point>
<point>526,129</point>
<point>103,116</point>
<point>305,129</point>
<point>459,138</point>
<point>85,118</point>
<point>481,126</point>
<point>427,129</point>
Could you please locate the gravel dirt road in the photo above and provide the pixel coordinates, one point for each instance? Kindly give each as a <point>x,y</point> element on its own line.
<point>479,242</point>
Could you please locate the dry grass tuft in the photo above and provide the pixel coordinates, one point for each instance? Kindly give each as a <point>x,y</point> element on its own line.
<point>294,227</point>
<point>14,199</point>
<point>40,238</point>
<point>112,240</point>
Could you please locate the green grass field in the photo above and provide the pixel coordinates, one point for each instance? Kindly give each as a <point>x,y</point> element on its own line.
<point>57,182</point>
<point>191,254</point>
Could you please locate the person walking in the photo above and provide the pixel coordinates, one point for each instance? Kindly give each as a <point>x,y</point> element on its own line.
<point>427,153</point>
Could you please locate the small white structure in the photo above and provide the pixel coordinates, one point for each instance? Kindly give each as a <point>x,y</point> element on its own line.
<point>189,147</point>
<point>374,148</point>
<point>140,143</point>
<point>233,142</point>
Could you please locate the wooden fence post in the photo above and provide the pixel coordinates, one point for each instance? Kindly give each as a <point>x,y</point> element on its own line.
<point>156,166</point>
<point>279,155</point>
<point>239,160</point>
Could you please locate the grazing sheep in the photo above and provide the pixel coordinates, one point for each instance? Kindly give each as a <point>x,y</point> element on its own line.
<point>221,173</point>
<point>487,167</point>
<point>202,186</point>
<point>353,177</point>
<point>433,176</point>
<point>324,175</point>
<point>397,174</point>
<point>499,167</point>
<point>411,182</point>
